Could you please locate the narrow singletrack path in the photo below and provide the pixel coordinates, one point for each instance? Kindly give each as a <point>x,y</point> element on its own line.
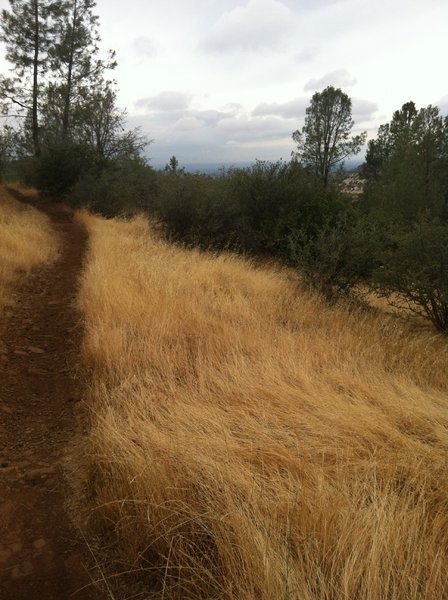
<point>41,557</point>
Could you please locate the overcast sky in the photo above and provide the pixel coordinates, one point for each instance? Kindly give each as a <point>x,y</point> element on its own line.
<point>229,80</point>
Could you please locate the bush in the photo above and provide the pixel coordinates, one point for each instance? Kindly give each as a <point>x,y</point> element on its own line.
<point>414,272</point>
<point>338,256</point>
<point>196,209</point>
<point>58,168</point>
<point>7,151</point>
<point>119,187</point>
<point>251,210</point>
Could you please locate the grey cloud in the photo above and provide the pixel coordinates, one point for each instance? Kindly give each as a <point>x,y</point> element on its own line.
<point>228,138</point>
<point>363,110</point>
<point>165,101</point>
<point>211,117</point>
<point>259,24</point>
<point>245,128</point>
<point>338,78</point>
<point>307,54</point>
<point>144,46</point>
<point>188,123</point>
<point>294,109</point>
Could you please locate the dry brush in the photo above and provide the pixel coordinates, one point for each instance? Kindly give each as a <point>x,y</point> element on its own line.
<point>247,441</point>
<point>26,241</point>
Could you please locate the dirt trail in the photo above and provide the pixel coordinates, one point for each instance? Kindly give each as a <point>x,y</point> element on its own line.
<point>40,392</point>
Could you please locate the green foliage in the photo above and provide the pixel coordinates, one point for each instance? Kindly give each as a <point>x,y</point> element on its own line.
<point>251,210</point>
<point>7,149</point>
<point>276,209</point>
<point>28,31</point>
<point>173,165</point>
<point>414,271</point>
<point>339,255</point>
<point>119,187</point>
<point>325,141</point>
<point>58,168</point>
<point>407,166</point>
<point>407,171</point>
<point>195,209</point>
<point>78,72</point>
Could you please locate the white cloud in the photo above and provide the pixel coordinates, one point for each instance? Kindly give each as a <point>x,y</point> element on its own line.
<point>258,24</point>
<point>338,78</point>
<point>165,101</point>
<point>188,124</point>
<point>244,127</point>
<point>292,109</point>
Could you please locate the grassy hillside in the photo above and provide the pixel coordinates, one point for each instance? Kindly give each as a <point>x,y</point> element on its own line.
<point>26,240</point>
<point>249,442</point>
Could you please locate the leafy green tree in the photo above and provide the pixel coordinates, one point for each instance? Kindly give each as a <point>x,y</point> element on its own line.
<point>28,30</point>
<point>407,165</point>
<point>325,141</point>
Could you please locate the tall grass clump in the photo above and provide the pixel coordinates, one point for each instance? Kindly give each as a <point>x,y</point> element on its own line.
<point>248,441</point>
<point>26,241</point>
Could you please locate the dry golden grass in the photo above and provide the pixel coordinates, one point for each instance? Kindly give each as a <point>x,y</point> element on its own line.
<point>248,441</point>
<point>26,241</point>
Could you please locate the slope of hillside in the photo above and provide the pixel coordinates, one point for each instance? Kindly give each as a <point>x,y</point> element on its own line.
<point>248,441</point>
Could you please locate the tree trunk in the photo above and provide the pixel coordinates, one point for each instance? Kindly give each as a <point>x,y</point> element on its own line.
<point>68,93</point>
<point>34,116</point>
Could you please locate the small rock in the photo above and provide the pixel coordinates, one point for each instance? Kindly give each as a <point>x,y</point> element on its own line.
<point>17,547</point>
<point>39,544</point>
<point>23,570</point>
<point>38,475</point>
<point>34,371</point>
<point>20,353</point>
<point>23,464</point>
<point>36,350</point>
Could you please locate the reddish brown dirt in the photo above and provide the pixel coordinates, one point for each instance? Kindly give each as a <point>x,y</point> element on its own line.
<point>41,557</point>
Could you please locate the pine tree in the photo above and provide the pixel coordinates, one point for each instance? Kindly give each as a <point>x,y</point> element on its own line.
<point>324,141</point>
<point>74,58</point>
<point>28,30</point>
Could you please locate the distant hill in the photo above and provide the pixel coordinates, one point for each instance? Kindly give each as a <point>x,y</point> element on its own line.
<point>350,166</point>
<point>206,168</point>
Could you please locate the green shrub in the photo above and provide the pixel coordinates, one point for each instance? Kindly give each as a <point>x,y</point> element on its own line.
<point>338,256</point>
<point>414,271</point>
<point>58,168</point>
<point>119,187</point>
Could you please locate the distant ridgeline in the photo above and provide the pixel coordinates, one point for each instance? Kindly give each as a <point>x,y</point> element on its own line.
<point>216,168</point>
